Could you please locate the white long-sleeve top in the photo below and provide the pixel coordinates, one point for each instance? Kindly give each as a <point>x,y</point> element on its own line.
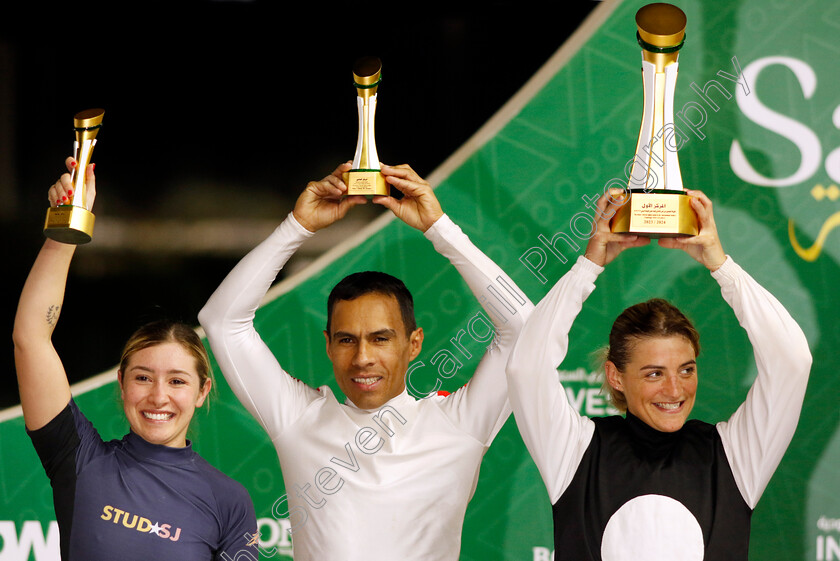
<point>387,484</point>
<point>561,441</point>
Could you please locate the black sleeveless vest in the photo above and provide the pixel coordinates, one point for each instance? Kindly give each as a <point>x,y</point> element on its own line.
<point>627,460</point>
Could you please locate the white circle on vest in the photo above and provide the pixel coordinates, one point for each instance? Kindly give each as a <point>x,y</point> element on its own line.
<point>652,527</point>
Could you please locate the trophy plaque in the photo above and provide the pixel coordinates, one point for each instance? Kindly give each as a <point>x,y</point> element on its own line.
<point>72,223</point>
<point>658,205</point>
<point>365,178</point>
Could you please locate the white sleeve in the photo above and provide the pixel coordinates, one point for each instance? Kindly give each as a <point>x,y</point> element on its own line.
<point>481,406</point>
<point>758,433</point>
<point>273,397</point>
<point>555,434</point>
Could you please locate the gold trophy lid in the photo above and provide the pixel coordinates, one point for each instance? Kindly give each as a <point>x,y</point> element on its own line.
<point>367,73</point>
<point>88,119</point>
<point>661,26</point>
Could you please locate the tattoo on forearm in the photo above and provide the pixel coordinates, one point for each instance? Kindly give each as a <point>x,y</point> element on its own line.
<point>52,314</point>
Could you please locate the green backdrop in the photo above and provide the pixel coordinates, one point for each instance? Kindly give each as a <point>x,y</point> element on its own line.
<point>762,142</point>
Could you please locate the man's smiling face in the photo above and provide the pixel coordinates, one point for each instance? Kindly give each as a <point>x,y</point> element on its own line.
<point>370,349</point>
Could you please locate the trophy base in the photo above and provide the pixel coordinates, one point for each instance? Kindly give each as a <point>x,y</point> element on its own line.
<point>658,213</point>
<point>69,224</point>
<point>366,182</point>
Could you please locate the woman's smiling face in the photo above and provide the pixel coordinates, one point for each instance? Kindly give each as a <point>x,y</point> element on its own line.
<point>659,381</point>
<point>160,390</point>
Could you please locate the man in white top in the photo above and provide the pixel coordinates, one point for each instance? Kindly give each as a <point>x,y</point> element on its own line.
<point>382,475</point>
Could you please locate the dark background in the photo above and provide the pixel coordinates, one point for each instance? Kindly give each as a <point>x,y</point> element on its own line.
<point>222,111</point>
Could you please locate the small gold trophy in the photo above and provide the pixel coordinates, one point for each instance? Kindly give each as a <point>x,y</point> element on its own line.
<point>73,223</point>
<point>365,177</point>
<point>658,205</point>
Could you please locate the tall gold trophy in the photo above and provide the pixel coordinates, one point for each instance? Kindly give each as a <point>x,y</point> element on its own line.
<point>365,177</point>
<point>73,223</point>
<point>658,205</point>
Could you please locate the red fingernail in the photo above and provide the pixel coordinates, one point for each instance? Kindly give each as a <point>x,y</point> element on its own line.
<point>64,198</point>
<point>93,167</point>
<point>70,193</point>
<point>72,164</point>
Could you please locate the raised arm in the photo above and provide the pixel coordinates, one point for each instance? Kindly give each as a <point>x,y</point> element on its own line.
<point>758,433</point>
<point>553,431</point>
<point>555,434</point>
<point>273,397</point>
<point>44,389</point>
<point>480,407</point>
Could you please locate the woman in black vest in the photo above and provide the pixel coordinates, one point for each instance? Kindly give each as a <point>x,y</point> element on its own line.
<point>653,485</point>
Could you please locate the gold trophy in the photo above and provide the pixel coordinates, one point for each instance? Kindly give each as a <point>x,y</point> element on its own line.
<point>73,223</point>
<point>658,205</point>
<point>365,177</point>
